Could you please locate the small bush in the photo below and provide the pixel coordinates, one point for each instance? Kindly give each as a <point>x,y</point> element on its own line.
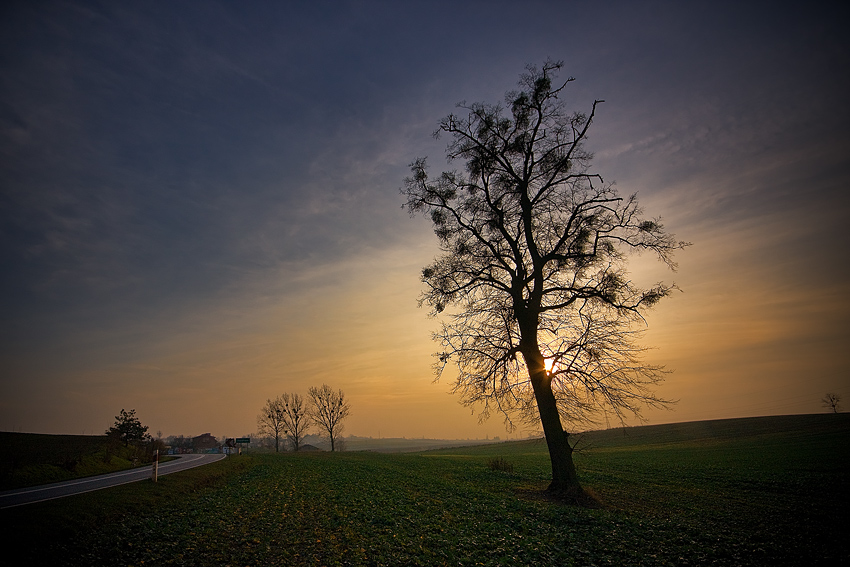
<point>500,464</point>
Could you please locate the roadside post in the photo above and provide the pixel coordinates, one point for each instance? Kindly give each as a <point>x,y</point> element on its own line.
<point>155,465</point>
<point>240,440</point>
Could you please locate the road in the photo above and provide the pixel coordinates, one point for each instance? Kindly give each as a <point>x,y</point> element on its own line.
<point>32,494</point>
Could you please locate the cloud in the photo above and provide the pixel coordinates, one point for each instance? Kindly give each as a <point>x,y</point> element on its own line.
<point>205,196</point>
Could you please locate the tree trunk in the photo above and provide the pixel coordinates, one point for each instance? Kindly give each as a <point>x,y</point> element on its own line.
<point>564,477</point>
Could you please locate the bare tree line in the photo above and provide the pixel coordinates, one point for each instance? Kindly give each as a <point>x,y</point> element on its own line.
<point>289,417</point>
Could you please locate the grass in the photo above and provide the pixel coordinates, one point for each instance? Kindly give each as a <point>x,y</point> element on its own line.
<point>769,491</point>
<point>29,459</point>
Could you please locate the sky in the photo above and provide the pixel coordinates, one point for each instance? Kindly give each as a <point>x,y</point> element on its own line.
<point>200,207</point>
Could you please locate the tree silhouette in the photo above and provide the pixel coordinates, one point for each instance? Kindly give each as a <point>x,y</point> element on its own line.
<point>831,401</point>
<point>534,247</point>
<point>296,419</point>
<point>128,429</point>
<point>328,409</point>
<point>271,422</point>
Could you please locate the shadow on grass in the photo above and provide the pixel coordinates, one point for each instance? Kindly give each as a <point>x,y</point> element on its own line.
<point>584,498</point>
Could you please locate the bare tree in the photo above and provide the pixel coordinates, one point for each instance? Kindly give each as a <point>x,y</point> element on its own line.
<point>534,248</point>
<point>328,409</point>
<point>831,401</point>
<point>296,419</point>
<point>271,420</point>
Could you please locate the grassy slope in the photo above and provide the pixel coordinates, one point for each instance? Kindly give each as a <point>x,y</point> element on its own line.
<point>30,459</point>
<point>755,492</point>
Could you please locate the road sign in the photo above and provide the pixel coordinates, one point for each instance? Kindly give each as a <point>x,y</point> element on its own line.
<point>243,439</point>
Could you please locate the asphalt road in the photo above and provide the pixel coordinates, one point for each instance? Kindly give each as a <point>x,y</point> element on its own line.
<point>32,494</point>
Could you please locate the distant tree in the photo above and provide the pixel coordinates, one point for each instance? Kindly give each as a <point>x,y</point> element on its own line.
<point>128,429</point>
<point>178,441</point>
<point>534,248</point>
<point>271,420</point>
<point>831,401</point>
<point>296,419</point>
<point>328,409</point>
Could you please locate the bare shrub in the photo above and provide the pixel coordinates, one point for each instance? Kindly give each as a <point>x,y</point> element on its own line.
<point>500,464</point>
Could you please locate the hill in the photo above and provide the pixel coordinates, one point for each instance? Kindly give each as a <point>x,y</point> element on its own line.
<point>696,432</point>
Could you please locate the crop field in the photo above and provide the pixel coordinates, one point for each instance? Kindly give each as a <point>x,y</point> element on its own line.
<point>762,491</point>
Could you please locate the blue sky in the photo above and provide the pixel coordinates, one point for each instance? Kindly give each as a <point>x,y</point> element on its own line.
<point>200,202</point>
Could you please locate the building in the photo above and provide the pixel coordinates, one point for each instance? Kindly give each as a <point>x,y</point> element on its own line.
<point>205,442</point>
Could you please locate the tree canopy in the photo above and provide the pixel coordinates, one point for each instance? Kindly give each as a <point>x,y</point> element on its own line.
<point>327,409</point>
<point>270,420</point>
<point>128,429</point>
<point>296,419</point>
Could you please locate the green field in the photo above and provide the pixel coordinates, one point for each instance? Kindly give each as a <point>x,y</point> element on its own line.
<point>762,491</point>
